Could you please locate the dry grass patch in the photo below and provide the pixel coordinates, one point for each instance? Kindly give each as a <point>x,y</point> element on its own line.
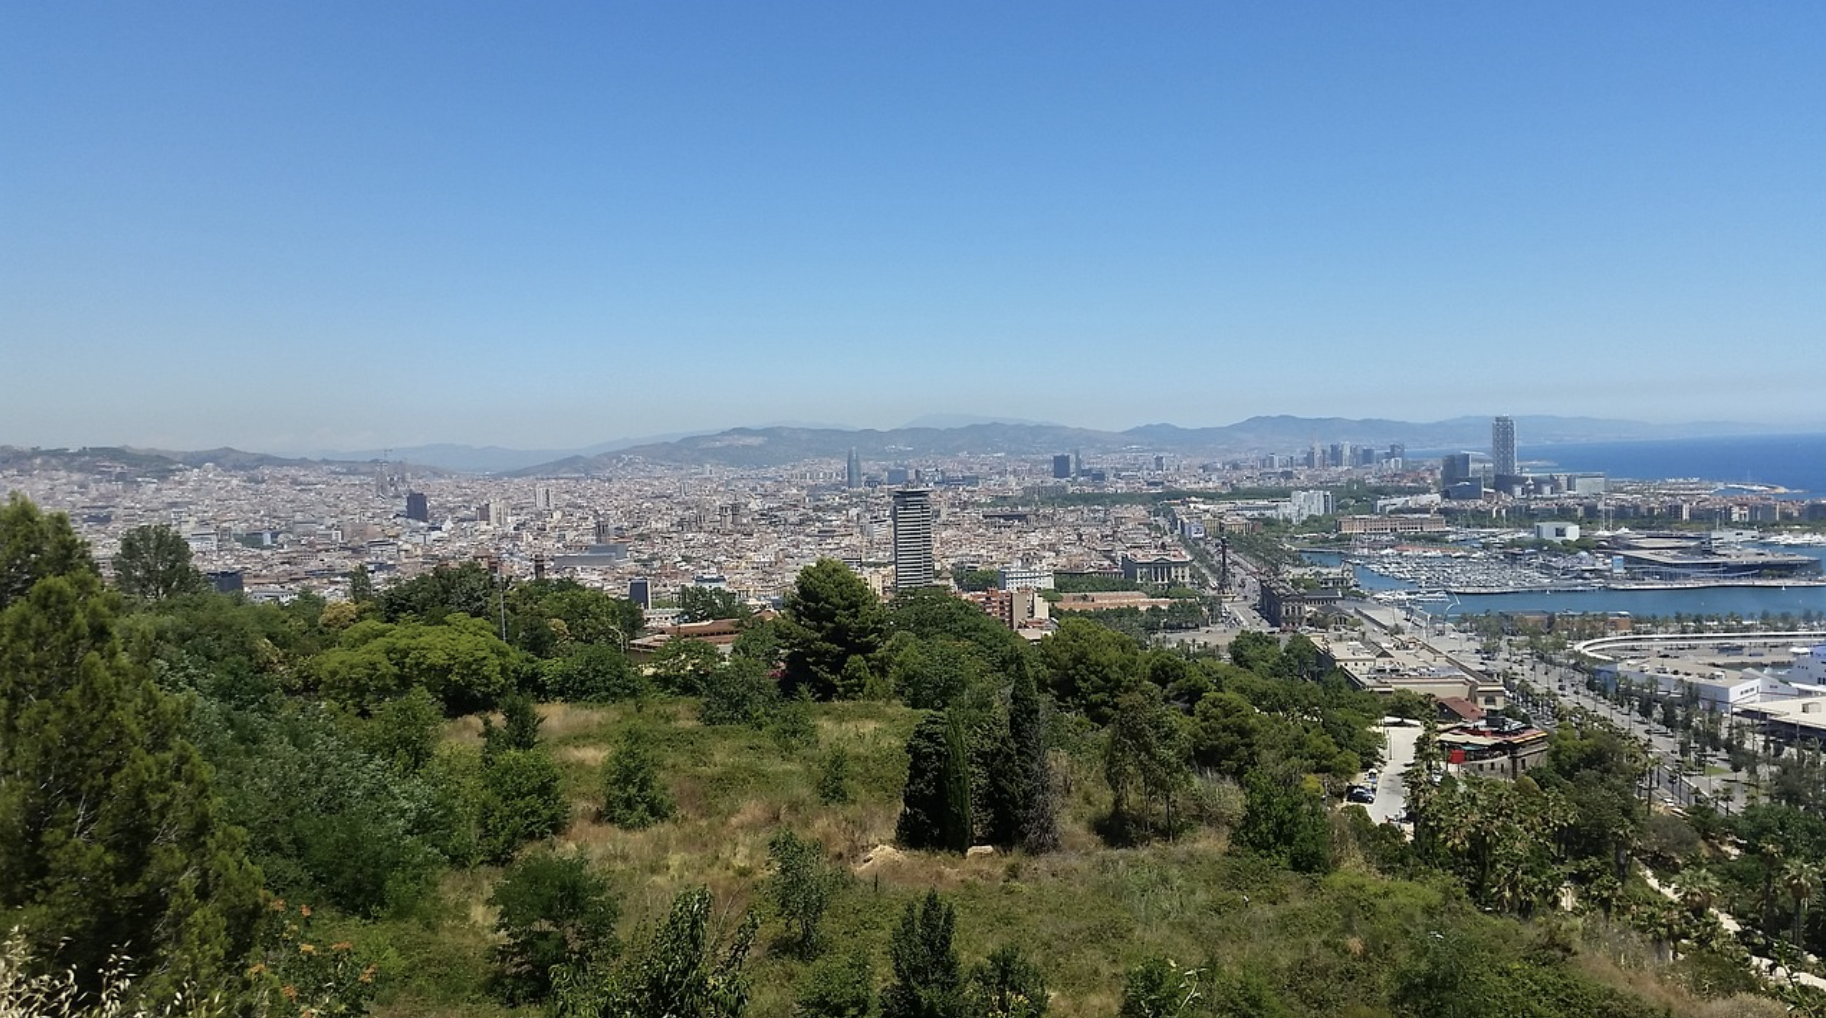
<point>583,756</point>
<point>561,720</point>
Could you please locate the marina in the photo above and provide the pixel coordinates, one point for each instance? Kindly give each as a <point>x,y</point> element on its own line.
<point>1440,595</point>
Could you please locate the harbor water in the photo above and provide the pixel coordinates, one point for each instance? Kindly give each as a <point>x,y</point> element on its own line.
<point>1745,602</point>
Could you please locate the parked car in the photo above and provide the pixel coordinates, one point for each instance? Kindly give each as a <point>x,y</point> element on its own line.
<point>1359,794</point>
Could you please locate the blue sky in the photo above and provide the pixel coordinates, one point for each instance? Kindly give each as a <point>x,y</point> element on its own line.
<point>325,225</point>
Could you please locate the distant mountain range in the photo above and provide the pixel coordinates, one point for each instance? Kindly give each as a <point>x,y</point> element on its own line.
<point>924,439</point>
<point>760,447</point>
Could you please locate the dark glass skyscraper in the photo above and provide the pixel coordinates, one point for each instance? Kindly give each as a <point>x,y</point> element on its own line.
<point>1502,447</point>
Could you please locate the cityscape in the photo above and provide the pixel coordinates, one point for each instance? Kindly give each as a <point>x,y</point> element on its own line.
<point>929,511</point>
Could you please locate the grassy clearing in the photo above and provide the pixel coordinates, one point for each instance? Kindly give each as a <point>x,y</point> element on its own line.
<point>1087,914</point>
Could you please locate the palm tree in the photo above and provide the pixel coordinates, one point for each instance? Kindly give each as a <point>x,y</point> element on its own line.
<point>1770,854</point>
<point>1802,879</point>
<point>1698,890</point>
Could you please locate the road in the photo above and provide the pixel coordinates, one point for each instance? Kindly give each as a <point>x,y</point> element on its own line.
<point>1665,779</point>
<point>1391,790</point>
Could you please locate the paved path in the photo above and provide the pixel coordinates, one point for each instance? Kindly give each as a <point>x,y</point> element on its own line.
<point>1391,791</point>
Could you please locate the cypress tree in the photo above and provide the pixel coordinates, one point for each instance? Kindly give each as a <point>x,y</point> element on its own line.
<point>922,800</point>
<point>1037,823</point>
<point>955,824</point>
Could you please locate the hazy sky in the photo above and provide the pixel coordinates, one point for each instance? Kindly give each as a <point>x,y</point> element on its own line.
<point>322,225</point>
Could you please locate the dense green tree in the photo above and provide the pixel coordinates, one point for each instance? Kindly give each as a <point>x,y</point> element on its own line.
<point>801,889</point>
<point>759,641</point>
<point>554,618</point>
<point>1088,667</point>
<point>739,693</point>
<point>459,661</point>
<point>1037,824</point>
<point>1285,821</point>
<point>1226,732</point>
<point>595,673</point>
<point>466,589</point>
<point>685,666</point>
<point>1596,771</point>
<point>110,835</point>
<point>702,604</point>
<point>1145,764</point>
<point>632,796</point>
<point>34,545</point>
<point>931,673</point>
<point>523,800</point>
<point>405,731</point>
<point>928,981</point>
<point>935,804</point>
<point>974,579</point>
<point>830,616</point>
<point>957,824</point>
<point>934,613</point>
<point>1257,652</point>
<point>839,986</point>
<point>333,813</point>
<point>154,563</point>
<point>519,728</point>
<point>551,911</point>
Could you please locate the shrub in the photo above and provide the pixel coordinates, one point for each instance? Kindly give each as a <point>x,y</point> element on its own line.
<point>552,911</point>
<point>632,796</point>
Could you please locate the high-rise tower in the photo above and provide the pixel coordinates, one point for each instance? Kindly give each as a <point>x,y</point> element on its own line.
<point>912,538</point>
<point>852,470</point>
<point>1502,451</point>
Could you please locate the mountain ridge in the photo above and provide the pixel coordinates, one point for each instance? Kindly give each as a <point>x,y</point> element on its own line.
<point>780,444</point>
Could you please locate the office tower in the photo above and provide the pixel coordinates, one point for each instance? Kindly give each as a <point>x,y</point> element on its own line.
<point>1502,451</point>
<point>1398,451</point>
<point>897,475</point>
<point>912,538</point>
<point>852,470</point>
<point>542,498</point>
<point>1061,467</point>
<point>1454,468</point>
<point>1077,464</point>
<point>497,515</point>
<point>641,593</point>
<point>418,507</point>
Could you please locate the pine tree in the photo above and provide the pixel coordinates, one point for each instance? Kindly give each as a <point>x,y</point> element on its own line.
<point>109,834</point>
<point>928,982</point>
<point>34,546</point>
<point>154,563</point>
<point>1038,824</point>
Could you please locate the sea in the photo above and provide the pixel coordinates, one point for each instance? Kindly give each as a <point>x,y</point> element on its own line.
<point>1794,462</point>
